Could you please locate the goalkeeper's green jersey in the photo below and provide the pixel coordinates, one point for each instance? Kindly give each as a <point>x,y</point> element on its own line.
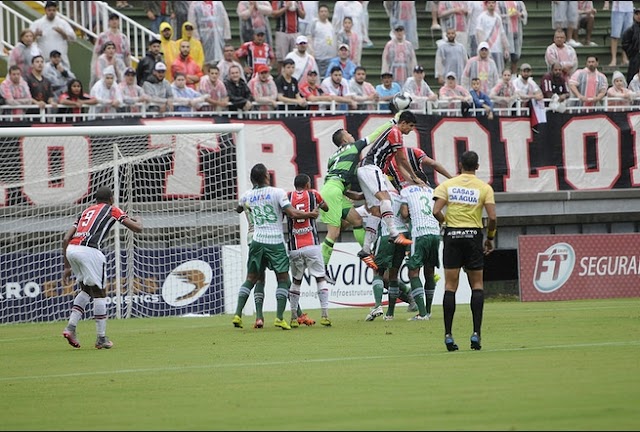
<point>343,163</point>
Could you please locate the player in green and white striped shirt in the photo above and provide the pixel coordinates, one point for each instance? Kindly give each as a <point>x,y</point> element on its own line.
<point>389,258</point>
<point>267,250</point>
<point>258,290</point>
<point>425,232</point>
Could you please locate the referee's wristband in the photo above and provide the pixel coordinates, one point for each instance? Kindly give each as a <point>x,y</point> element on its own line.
<point>491,234</point>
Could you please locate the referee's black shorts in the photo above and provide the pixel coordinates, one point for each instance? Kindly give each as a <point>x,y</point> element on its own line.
<point>463,248</point>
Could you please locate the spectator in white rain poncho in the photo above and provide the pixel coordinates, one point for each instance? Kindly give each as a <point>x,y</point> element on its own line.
<point>107,92</point>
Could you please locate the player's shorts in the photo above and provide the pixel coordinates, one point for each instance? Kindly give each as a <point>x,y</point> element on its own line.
<point>339,205</point>
<point>463,248</point>
<point>271,256</point>
<point>372,180</point>
<point>390,255</point>
<point>88,265</point>
<point>425,251</point>
<point>308,257</point>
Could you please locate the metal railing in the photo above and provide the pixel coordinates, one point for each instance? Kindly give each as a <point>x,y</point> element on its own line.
<point>88,17</point>
<point>11,24</point>
<point>92,18</point>
<point>52,114</point>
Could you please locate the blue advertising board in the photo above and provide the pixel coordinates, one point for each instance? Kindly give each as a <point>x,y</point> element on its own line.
<point>165,282</point>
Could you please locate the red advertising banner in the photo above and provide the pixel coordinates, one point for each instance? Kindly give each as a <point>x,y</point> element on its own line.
<point>581,266</point>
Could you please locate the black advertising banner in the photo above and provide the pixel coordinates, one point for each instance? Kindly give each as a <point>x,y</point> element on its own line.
<point>570,152</point>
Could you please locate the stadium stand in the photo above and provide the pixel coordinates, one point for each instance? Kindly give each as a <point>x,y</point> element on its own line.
<point>538,35</point>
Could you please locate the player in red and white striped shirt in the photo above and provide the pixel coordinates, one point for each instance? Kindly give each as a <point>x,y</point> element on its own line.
<point>83,257</point>
<point>305,251</point>
<point>374,185</point>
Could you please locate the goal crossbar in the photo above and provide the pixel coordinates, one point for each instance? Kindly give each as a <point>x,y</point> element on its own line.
<point>120,130</point>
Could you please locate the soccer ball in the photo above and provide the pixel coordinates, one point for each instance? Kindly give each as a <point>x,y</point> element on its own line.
<point>401,101</point>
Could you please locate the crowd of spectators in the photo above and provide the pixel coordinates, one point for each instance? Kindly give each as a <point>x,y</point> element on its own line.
<point>313,58</point>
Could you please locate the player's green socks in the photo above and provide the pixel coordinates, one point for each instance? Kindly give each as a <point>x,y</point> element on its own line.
<point>378,288</point>
<point>404,294</point>
<point>358,233</point>
<point>417,291</point>
<point>258,299</point>
<point>429,289</point>
<point>282,295</point>
<point>327,250</point>
<point>404,288</point>
<point>243,296</point>
<point>394,291</point>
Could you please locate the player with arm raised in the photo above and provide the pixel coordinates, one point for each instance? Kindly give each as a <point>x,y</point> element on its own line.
<point>83,258</point>
<point>341,174</point>
<point>268,250</point>
<point>305,251</point>
<point>374,186</point>
<point>419,161</point>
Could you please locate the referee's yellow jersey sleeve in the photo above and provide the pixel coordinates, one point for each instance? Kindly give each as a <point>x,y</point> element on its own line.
<point>489,198</point>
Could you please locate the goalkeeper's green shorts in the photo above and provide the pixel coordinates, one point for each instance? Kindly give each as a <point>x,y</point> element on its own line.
<point>332,193</point>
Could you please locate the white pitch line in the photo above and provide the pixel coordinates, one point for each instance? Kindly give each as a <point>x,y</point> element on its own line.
<point>569,308</point>
<point>324,360</point>
<point>208,325</point>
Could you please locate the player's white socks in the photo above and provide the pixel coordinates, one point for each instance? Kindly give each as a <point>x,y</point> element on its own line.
<point>323,296</point>
<point>100,314</point>
<point>79,306</point>
<point>371,233</point>
<point>294,299</point>
<point>387,216</point>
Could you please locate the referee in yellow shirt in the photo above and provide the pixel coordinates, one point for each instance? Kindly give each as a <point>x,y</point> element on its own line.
<point>465,196</point>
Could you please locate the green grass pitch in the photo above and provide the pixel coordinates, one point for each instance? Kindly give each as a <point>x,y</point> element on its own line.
<point>543,366</point>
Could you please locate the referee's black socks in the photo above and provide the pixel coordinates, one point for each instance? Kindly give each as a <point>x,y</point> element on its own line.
<point>448,309</point>
<point>477,306</point>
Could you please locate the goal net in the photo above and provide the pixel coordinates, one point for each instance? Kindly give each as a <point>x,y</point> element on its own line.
<point>184,185</point>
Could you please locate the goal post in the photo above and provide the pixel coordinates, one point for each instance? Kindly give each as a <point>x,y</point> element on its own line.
<point>181,176</point>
